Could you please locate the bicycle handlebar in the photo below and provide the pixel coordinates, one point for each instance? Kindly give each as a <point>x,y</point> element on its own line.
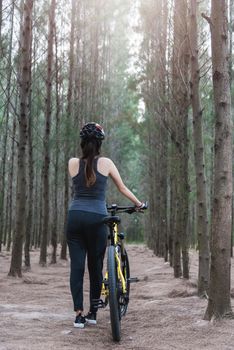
<point>114,208</point>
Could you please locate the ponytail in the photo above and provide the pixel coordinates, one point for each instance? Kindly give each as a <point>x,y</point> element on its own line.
<point>90,149</point>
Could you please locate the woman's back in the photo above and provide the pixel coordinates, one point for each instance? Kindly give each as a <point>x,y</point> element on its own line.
<point>89,198</point>
<point>97,190</point>
<point>103,166</point>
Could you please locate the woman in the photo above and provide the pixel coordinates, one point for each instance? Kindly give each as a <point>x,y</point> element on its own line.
<point>86,234</point>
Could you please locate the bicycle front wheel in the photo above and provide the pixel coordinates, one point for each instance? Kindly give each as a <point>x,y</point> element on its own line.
<point>113,294</point>
<point>124,299</point>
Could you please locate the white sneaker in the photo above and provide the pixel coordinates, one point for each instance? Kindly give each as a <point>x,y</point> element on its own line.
<point>91,318</point>
<point>79,321</point>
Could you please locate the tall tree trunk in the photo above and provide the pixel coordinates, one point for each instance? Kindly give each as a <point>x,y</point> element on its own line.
<point>77,80</point>
<point>54,229</point>
<point>28,233</point>
<point>201,202</point>
<point>25,74</point>
<point>6,114</point>
<point>0,28</point>
<point>219,303</point>
<point>180,106</point>
<point>68,118</point>
<point>178,226</point>
<point>10,188</point>
<point>151,236</point>
<point>231,9</point>
<point>185,191</point>
<point>46,165</point>
<point>40,211</point>
<point>172,219</point>
<point>95,60</point>
<point>163,131</point>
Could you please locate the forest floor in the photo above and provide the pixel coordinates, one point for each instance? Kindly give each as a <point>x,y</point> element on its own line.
<point>164,313</point>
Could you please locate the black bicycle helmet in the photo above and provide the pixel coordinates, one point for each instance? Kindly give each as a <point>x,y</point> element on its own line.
<point>92,130</point>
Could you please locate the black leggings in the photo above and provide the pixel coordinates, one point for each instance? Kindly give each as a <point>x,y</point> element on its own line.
<point>86,234</point>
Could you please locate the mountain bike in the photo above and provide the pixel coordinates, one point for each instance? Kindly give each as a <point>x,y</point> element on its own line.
<point>116,283</point>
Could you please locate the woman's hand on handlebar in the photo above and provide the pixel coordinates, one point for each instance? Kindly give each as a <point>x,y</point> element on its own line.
<point>142,207</point>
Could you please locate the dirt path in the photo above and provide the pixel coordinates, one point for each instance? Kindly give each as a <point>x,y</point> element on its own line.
<point>164,313</point>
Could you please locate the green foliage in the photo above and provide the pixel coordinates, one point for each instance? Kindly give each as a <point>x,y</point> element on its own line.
<point>102,90</point>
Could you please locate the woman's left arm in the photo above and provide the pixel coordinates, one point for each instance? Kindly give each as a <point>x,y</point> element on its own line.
<point>73,166</point>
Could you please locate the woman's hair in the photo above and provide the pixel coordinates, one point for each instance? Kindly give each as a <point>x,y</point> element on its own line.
<point>90,149</point>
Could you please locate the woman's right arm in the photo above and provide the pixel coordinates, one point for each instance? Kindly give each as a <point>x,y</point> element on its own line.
<point>114,174</point>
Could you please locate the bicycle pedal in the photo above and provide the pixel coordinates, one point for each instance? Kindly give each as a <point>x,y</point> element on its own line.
<point>133,279</point>
<point>98,303</point>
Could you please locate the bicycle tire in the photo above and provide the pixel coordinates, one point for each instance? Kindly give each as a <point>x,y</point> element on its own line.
<point>126,274</point>
<point>113,294</point>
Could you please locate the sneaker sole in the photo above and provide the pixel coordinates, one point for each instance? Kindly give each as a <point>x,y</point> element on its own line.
<point>91,321</point>
<point>78,325</point>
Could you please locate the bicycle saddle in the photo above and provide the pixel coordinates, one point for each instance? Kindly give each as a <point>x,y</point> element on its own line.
<point>111,220</point>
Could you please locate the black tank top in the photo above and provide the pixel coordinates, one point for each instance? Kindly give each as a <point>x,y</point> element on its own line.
<point>93,198</point>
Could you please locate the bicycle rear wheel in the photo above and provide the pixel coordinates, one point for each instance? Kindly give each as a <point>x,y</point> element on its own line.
<point>113,294</point>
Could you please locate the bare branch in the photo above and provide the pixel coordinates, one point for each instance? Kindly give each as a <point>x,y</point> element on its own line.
<point>207,18</point>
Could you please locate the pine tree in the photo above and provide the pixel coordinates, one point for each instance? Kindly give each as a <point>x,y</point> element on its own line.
<point>24,88</point>
<point>219,303</point>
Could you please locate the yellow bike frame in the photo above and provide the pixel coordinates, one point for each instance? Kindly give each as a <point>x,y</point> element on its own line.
<point>105,291</point>
<point>119,270</point>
